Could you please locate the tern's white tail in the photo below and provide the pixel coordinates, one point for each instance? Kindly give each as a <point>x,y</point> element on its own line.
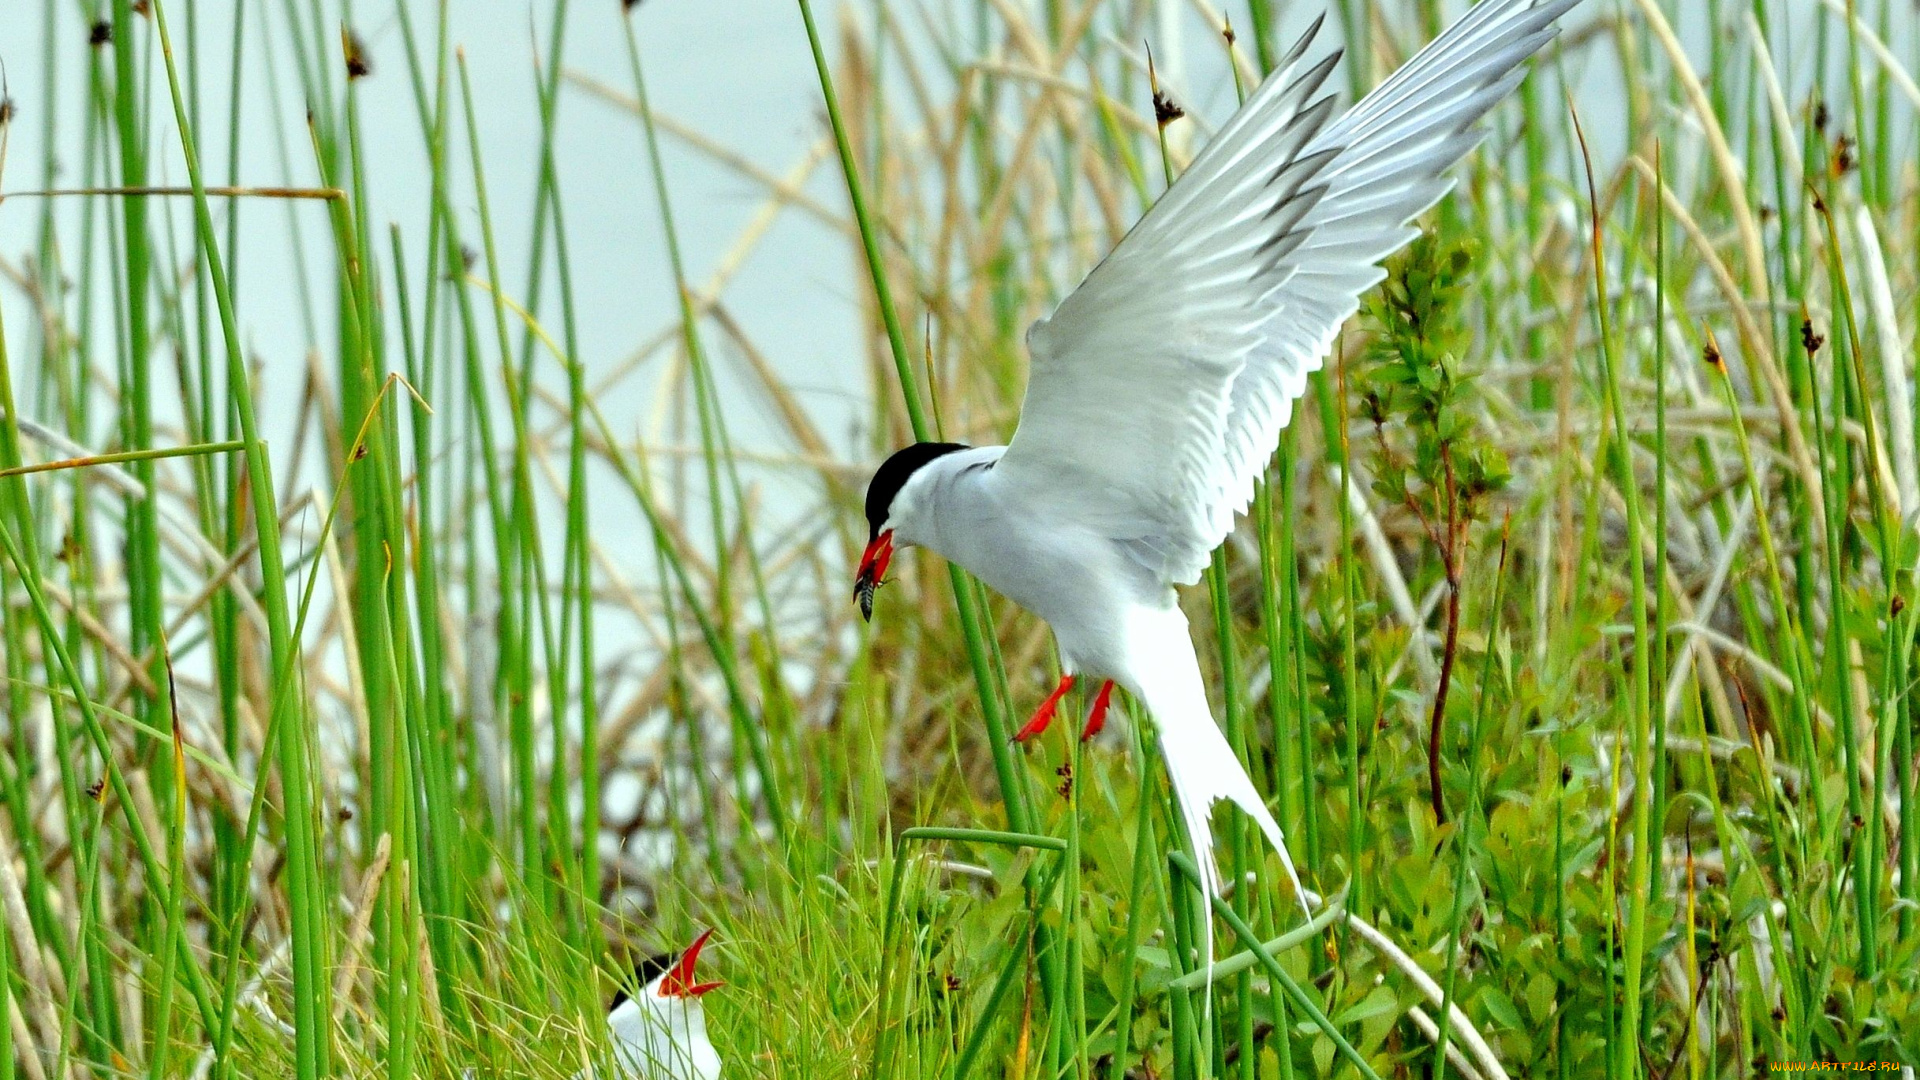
<point>1200,763</point>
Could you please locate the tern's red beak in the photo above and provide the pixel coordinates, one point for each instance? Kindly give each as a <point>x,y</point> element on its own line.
<point>679,980</point>
<point>873,571</point>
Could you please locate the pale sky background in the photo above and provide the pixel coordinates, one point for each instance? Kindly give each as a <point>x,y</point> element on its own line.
<point>745,78</point>
<point>738,71</point>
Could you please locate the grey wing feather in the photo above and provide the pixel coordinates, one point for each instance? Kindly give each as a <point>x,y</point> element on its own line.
<point>1159,387</point>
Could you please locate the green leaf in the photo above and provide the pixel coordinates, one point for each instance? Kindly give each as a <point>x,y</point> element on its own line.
<point>1392,373</point>
<point>1500,1007</point>
<point>1379,1001</point>
<point>1154,956</point>
<point>1541,992</point>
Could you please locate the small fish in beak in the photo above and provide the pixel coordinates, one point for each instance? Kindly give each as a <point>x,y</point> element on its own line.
<point>873,572</point>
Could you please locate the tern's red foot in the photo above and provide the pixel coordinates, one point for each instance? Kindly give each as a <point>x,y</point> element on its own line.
<point>1043,715</point>
<point>1097,716</point>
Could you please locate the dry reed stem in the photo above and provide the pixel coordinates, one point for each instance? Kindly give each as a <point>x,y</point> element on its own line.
<point>324,194</point>
<point>359,929</point>
<point>34,975</point>
<point>1895,71</point>
<point>1431,1030</point>
<point>1753,346</point>
<point>1387,564</point>
<point>1895,382</point>
<point>1709,600</point>
<point>1458,1021</point>
<point>1724,162</point>
<point>1777,109</point>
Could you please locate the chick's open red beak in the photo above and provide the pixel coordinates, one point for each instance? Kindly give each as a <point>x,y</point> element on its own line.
<point>679,981</point>
<point>873,571</point>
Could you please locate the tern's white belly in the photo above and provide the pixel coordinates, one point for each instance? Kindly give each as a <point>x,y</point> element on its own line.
<point>1081,583</point>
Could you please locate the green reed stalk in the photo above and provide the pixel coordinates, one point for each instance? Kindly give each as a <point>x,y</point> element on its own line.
<point>580,548</point>
<point>1866,858</point>
<point>427,705</point>
<point>1357,892</point>
<point>1013,790</point>
<point>1640,705</point>
<point>1663,596</point>
<point>309,916</point>
<point>146,615</point>
<point>176,888</point>
<point>1475,810</point>
<point>1794,988</point>
<point>1298,995</point>
<point>634,478</point>
<point>1146,856</point>
<point>438,895</point>
<point>578,856</point>
<point>521,559</point>
<point>715,446</point>
<point>382,548</point>
<point>7,1004</point>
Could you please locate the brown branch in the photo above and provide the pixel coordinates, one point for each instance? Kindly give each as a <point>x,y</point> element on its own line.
<point>329,194</point>
<point>1450,555</point>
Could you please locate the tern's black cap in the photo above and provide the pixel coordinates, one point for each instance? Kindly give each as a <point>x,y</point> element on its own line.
<point>644,972</point>
<point>892,475</point>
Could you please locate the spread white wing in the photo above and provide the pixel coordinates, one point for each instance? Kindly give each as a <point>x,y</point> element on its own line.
<point>1159,386</point>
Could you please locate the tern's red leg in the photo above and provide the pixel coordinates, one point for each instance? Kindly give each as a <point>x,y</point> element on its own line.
<point>1043,715</point>
<point>1097,717</point>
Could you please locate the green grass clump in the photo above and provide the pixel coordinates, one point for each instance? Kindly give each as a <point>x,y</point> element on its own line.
<point>1572,632</point>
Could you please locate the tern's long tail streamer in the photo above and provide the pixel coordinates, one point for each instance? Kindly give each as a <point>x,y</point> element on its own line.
<point>1200,763</point>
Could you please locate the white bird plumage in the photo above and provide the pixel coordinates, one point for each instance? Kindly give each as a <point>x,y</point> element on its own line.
<point>1159,387</point>
<point>661,1032</point>
<point>656,1038</point>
